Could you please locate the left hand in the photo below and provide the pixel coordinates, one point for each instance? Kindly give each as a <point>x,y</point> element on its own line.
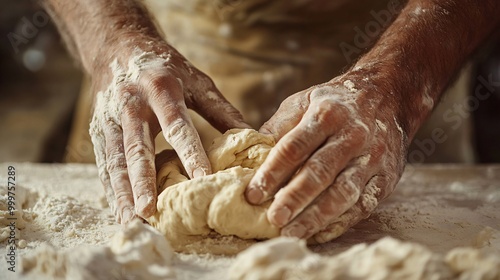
<point>340,151</point>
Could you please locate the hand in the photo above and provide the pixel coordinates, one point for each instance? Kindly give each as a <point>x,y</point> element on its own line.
<point>340,151</point>
<point>146,87</point>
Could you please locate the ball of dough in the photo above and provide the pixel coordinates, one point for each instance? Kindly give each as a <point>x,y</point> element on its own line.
<point>213,207</point>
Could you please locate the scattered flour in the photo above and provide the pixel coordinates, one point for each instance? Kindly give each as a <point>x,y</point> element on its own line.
<point>388,258</point>
<point>14,220</point>
<point>350,86</point>
<point>136,252</point>
<point>434,212</point>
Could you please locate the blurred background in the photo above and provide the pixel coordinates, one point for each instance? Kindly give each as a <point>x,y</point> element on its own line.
<point>40,86</point>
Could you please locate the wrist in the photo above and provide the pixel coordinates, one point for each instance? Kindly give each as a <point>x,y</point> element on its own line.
<point>118,44</point>
<point>386,96</point>
<point>417,56</point>
<point>101,31</point>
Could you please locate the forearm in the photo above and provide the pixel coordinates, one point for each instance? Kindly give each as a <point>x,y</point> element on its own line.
<point>89,27</point>
<point>418,55</point>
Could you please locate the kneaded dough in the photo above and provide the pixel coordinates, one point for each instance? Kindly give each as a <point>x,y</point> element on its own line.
<point>388,258</point>
<point>213,206</point>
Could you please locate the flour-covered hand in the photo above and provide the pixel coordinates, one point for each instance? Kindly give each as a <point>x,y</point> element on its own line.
<point>142,86</point>
<point>342,145</point>
<point>145,90</point>
<point>340,150</point>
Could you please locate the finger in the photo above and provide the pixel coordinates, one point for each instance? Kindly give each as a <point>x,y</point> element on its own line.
<point>215,108</point>
<point>99,143</point>
<point>361,210</point>
<point>116,167</point>
<point>375,190</point>
<point>140,156</point>
<point>287,116</point>
<point>321,120</point>
<point>317,173</point>
<point>332,203</point>
<point>339,226</point>
<point>177,127</point>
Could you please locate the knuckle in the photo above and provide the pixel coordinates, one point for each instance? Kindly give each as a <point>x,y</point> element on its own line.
<point>115,161</point>
<point>318,219</point>
<point>159,86</point>
<point>131,105</point>
<point>360,134</point>
<point>176,130</point>
<point>296,199</point>
<point>142,185</point>
<point>266,180</point>
<point>122,197</point>
<point>137,150</point>
<point>326,112</point>
<point>119,179</point>
<point>343,194</point>
<point>379,150</point>
<point>320,172</point>
<point>293,150</point>
<point>321,91</point>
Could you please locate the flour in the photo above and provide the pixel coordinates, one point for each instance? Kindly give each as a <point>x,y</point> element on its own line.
<point>381,125</point>
<point>65,214</point>
<point>66,222</point>
<point>442,208</point>
<point>21,215</point>
<point>136,252</point>
<point>350,86</point>
<point>400,129</point>
<point>388,258</point>
<point>106,124</point>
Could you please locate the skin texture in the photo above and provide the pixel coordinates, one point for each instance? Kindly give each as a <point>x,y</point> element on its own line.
<point>342,145</point>
<point>137,96</point>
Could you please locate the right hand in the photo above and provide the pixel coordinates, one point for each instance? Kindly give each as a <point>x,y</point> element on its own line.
<point>340,150</point>
<point>143,87</point>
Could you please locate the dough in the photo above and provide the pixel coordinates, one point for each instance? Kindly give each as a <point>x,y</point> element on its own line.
<point>388,258</point>
<point>136,252</point>
<point>213,206</point>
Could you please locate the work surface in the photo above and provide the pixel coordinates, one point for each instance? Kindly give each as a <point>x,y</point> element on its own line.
<point>438,206</point>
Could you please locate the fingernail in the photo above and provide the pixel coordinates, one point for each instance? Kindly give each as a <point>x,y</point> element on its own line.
<point>127,215</point>
<point>295,231</point>
<point>198,173</point>
<point>254,195</point>
<point>281,216</point>
<point>142,203</point>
